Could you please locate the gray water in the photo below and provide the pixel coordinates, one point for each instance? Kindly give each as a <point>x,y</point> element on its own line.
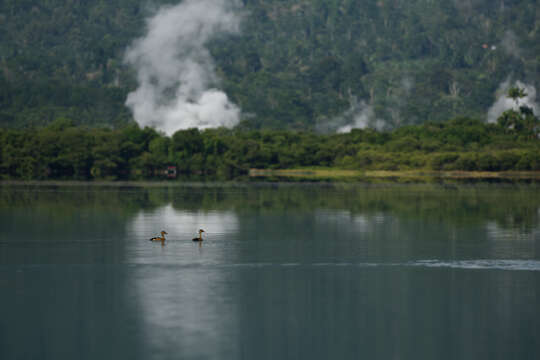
<point>285,272</point>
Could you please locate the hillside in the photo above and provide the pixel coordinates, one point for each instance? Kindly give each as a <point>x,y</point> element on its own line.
<point>298,64</point>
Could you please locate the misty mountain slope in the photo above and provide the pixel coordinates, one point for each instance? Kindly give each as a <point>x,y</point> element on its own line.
<point>299,64</point>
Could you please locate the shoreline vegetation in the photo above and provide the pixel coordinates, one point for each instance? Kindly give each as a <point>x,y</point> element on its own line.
<point>333,173</point>
<point>303,175</point>
<point>457,149</point>
<point>461,148</point>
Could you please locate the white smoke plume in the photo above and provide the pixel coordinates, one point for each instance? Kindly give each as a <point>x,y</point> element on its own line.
<point>175,71</point>
<point>504,103</point>
<point>359,116</point>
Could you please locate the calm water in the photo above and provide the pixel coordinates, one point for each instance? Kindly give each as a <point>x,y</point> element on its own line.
<point>285,272</point>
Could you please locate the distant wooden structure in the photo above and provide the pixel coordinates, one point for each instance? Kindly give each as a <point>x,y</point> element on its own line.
<point>171,172</point>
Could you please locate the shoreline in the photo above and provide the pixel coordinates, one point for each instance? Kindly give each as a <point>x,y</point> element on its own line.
<point>333,173</point>
<point>300,175</point>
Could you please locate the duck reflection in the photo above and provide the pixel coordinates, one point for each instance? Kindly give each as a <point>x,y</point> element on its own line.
<point>176,288</point>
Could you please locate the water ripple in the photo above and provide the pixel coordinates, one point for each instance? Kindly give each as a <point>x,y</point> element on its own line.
<point>482,264</point>
<point>529,265</point>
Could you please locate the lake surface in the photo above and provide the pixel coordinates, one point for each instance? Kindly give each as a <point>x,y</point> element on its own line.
<point>286,271</point>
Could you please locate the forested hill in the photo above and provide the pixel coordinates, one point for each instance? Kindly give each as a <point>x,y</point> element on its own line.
<point>295,63</point>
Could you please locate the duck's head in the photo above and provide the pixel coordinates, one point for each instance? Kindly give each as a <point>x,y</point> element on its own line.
<point>201,231</point>
<point>164,233</point>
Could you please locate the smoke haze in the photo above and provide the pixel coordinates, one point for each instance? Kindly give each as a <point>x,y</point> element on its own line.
<point>359,116</point>
<point>509,44</point>
<point>504,103</point>
<point>175,71</point>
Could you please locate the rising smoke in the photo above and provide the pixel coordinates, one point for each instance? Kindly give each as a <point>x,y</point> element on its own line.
<point>359,116</point>
<point>175,71</point>
<point>504,103</point>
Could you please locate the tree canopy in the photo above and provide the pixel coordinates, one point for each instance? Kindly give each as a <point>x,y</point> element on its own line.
<point>64,151</point>
<point>294,64</point>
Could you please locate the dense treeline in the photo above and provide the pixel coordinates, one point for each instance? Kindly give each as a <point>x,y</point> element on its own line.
<point>295,64</point>
<point>62,150</point>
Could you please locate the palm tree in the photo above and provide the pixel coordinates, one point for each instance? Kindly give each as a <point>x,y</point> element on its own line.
<point>516,93</point>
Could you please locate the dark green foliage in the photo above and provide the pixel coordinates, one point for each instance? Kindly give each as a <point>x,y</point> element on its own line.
<point>63,151</point>
<point>516,93</point>
<point>294,64</point>
<point>523,121</point>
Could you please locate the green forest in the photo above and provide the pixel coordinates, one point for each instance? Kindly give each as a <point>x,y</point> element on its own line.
<point>65,151</point>
<point>295,64</point>
<point>428,69</point>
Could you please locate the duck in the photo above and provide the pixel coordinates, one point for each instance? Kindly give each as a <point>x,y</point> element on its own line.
<point>200,236</point>
<point>159,238</point>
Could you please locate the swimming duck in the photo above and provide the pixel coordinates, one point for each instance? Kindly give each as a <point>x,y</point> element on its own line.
<point>200,236</point>
<point>159,238</point>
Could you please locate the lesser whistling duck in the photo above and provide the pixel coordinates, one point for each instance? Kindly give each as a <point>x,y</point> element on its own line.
<point>159,238</point>
<point>200,236</point>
